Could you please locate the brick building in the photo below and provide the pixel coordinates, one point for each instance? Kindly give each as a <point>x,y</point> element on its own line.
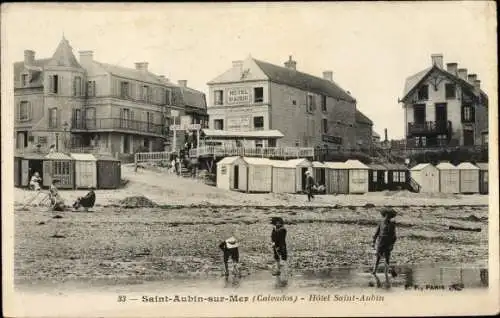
<point>108,108</point>
<point>309,111</point>
<point>444,107</point>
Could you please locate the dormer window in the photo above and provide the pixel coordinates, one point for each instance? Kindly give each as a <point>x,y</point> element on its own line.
<point>25,79</point>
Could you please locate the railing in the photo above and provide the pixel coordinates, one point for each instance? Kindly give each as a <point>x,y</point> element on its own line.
<point>72,149</point>
<point>153,156</point>
<point>414,186</point>
<point>429,127</point>
<point>287,152</point>
<point>118,123</point>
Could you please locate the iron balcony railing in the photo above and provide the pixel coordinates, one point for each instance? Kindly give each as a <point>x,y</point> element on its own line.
<point>119,123</point>
<point>429,127</point>
<point>264,152</point>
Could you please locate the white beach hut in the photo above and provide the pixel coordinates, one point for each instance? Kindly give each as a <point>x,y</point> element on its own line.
<point>449,178</point>
<point>469,177</point>
<point>283,176</point>
<point>85,170</point>
<point>427,177</point>
<point>232,174</point>
<point>259,174</point>
<point>358,176</point>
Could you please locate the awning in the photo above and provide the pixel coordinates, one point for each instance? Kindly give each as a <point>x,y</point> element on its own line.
<point>259,134</point>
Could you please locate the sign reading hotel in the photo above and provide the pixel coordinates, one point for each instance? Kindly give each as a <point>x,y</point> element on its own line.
<point>238,96</point>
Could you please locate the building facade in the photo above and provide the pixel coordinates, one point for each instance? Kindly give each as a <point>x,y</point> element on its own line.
<point>309,111</point>
<point>444,107</point>
<point>72,104</point>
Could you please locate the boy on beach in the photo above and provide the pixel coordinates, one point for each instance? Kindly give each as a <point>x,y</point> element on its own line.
<point>230,249</point>
<point>56,201</point>
<point>278,241</point>
<point>310,184</point>
<point>384,239</point>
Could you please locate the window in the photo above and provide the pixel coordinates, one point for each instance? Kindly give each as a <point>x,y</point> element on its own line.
<point>219,124</point>
<point>271,143</point>
<point>467,113</point>
<point>90,118</point>
<point>42,140</point>
<point>259,143</point>
<point>24,80</point>
<point>402,176</point>
<point>91,91</point>
<point>424,141</point>
<point>324,126</point>
<point>223,170</point>
<point>294,102</point>
<point>374,176</point>
<point>450,91</point>
<point>167,97</point>
<point>258,123</point>
<point>77,86</point>
<point>145,93</point>
<point>53,84</point>
<point>417,141</point>
<point>423,92</point>
<point>441,139</point>
<point>24,111</point>
<point>297,143</point>
<point>124,90</point>
<point>53,118</point>
<point>258,94</point>
<point>395,176</point>
<point>218,95</point>
<point>310,103</point>
<point>323,103</point>
<point>484,137</point>
<point>125,117</point>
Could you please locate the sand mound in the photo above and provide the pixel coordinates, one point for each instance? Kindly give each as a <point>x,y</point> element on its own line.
<point>137,202</point>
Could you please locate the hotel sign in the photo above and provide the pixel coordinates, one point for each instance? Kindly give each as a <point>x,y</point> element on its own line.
<point>331,139</point>
<point>238,96</point>
<point>238,123</point>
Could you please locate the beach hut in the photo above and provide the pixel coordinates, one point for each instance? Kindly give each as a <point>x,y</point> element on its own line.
<point>301,166</point>
<point>427,177</point>
<point>232,174</point>
<point>319,172</point>
<point>85,170</point>
<point>358,176</point>
<point>376,177</point>
<point>396,176</point>
<point>449,178</point>
<point>259,174</point>
<point>469,178</point>
<point>225,173</point>
<point>283,176</point>
<point>483,177</point>
<point>109,172</point>
<point>17,171</point>
<point>57,165</point>
<point>337,178</point>
<point>29,164</point>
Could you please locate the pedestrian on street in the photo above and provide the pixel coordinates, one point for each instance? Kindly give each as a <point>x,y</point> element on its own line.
<point>383,241</point>
<point>278,241</point>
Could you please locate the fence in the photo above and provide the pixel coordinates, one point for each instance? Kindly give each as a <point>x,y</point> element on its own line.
<point>270,152</point>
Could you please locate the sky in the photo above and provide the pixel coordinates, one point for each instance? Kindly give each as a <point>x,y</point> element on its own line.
<point>370,47</point>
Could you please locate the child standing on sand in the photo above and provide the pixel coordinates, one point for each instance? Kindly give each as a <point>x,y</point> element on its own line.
<point>384,239</point>
<point>278,241</point>
<point>230,249</point>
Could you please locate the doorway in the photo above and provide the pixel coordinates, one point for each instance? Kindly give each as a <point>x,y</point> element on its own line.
<point>468,137</point>
<point>419,114</point>
<point>304,178</point>
<point>441,116</point>
<point>236,178</point>
<point>126,144</point>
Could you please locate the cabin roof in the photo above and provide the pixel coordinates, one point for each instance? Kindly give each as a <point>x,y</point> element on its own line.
<point>355,164</point>
<point>467,166</point>
<point>446,166</point>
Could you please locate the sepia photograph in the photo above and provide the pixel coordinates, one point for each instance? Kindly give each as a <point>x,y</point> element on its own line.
<point>249,159</point>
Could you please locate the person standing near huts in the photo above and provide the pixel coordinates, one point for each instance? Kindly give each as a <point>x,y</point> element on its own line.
<point>278,241</point>
<point>383,241</point>
<point>310,184</point>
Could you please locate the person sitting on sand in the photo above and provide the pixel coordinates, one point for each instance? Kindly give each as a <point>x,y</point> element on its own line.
<point>35,181</point>
<point>56,200</point>
<point>86,201</point>
<point>230,249</point>
<point>278,241</point>
<point>384,239</point>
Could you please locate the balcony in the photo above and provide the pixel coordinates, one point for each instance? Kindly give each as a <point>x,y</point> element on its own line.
<point>110,124</point>
<point>429,128</point>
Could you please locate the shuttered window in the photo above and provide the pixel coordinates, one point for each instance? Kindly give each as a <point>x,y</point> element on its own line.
<point>24,111</point>
<point>77,86</point>
<point>53,117</point>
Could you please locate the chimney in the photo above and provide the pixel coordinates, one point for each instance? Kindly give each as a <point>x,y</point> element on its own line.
<point>477,84</point>
<point>462,73</point>
<point>86,58</point>
<point>471,78</point>
<point>29,57</point>
<point>452,68</point>
<point>141,66</point>
<point>291,64</point>
<point>328,75</point>
<point>182,83</point>
<point>385,133</point>
<point>437,59</point>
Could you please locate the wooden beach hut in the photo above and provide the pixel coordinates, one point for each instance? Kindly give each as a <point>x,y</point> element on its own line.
<point>483,177</point>
<point>85,170</point>
<point>17,171</point>
<point>283,176</point>
<point>29,164</point>
<point>60,166</point>
<point>109,172</point>
<point>301,166</point>
<point>225,173</point>
<point>376,177</point>
<point>259,174</point>
<point>449,178</point>
<point>337,178</point>
<point>319,172</point>
<point>397,176</point>
<point>358,176</point>
<point>469,178</point>
<point>427,177</point>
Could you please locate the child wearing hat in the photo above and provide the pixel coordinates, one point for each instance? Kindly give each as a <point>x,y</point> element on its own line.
<point>35,181</point>
<point>230,249</point>
<point>278,239</point>
<point>384,239</point>
<point>310,184</point>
